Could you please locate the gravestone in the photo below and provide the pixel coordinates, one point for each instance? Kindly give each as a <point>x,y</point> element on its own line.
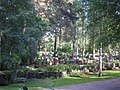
<point>3,79</point>
<point>30,74</point>
<point>20,74</point>
<point>36,64</point>
<point>40,75</point>
<point>13,77</point>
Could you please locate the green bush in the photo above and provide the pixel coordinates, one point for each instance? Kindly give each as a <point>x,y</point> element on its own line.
<point>25,69</point>
<point>90,67</point>
<point>57,68</point>
<point>77,74</point>
<point>63,67</point>
<point>65,48</point>
<point>111,65</point>
<point>74,67</point>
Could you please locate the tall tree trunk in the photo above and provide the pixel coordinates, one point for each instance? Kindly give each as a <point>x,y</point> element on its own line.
<point>100,62</point>
<point>32,50</point>
<point>119,54</point>
<point>0,51</point>
<point>60,37</point>
<point>83,43</point>
<point>74,49</point>
<point>110,53</point>
<point>55,44</point>
<point>74,41</point>
<point>93,51</point>
<point>119,51</point>
<point>38,45</point>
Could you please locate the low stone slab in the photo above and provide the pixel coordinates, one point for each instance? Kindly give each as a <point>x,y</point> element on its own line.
<point>3,79</point>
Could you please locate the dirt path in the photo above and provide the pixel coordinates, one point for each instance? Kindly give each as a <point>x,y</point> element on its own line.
<point>109,84</point>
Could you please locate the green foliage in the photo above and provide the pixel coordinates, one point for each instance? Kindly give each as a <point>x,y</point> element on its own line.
<point>77,74</point>
<point>104,17</point>
<point>60,68</point>
<point>56,68</point>
<point>66,48</point>
<point>25,69</point>
<point>90,68</point>
<point>20,28</point>
<point>73,67</point>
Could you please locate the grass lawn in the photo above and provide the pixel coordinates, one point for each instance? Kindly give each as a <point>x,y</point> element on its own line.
<point>33,84</point>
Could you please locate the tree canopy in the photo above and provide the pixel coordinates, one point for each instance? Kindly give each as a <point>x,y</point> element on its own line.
<point>85,24</point>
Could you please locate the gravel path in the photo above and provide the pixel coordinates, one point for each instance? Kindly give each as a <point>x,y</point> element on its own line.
<point>109,84</point>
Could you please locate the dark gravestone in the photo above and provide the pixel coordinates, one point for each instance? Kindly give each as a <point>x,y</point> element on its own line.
<point>40,75</point>
<point>20,74</point>
<point>3,79</point>
<point>53,74</point>
<point>13,77</point>
<point>44,63</point>
<point>57,74</point>
<point>23,88</point>
<point>48,74</point>
<point>79,62</point>
<point>30,74</point>
<point>62,62</point>
<point>36,64</point>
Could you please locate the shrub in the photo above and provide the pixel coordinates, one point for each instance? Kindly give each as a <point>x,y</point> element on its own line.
<point>25,69</point>
<point>59,68</point>
<point>90,67</point>
<point>55,68</point>
<point>65,48</point>
<point>74,67</point>
<point>77,74</point>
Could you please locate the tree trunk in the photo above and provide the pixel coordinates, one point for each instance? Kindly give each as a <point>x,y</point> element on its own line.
<point>110,53</point>
<point>119,51</point>
<point>73,48</point>
<point>55,44</point>
<point>32,50</point>
<point>93,51</point>
<point>60,37</point>
<point>0,50</point>
<point>100,62</point>
<point>83,43</point>
<point>119,54</point>
<point>38,45</point>
<point>93,45</point>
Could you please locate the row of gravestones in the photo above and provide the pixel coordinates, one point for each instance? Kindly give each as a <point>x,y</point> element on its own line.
<point>16,77</point>
<point>39,75</point>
